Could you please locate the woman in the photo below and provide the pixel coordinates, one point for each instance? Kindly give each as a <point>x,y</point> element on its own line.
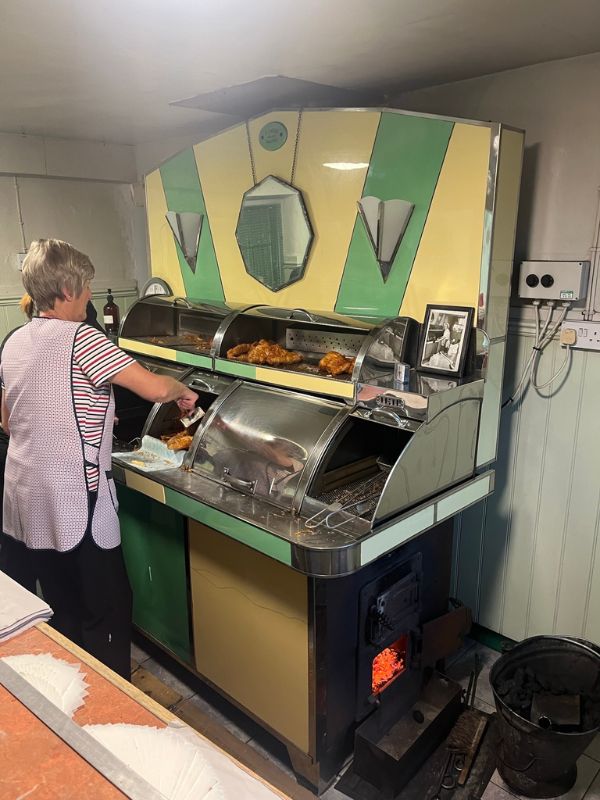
<point>14,559</point>
<point>13,554</point>
<point>58,407</point>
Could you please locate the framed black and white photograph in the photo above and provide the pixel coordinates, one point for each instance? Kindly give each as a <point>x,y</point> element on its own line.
<point>445,339</point>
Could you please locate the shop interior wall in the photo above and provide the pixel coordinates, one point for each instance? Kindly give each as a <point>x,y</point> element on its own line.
<point>527,560</point>
<point>83,192</point>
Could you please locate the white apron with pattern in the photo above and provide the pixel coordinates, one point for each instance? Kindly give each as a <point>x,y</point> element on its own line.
<point>46,493</point>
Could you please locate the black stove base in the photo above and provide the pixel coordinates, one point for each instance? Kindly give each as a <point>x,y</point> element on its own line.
<point>424,784</point>
<point>388,757</point>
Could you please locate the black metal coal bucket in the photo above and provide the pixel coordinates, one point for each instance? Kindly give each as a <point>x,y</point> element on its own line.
<point>547,694</point>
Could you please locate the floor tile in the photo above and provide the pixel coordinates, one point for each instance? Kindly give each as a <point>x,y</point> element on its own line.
<point>469,643</point>
<point>593,793</point>
<point>271,749</point>
<point>593,750</point>
<point>207,708</point>
<point>166,676</point>
<point>138,653</point>
<point>483,706</point>
<point>333,794</point>
<point>587,771</point>
<point>460,670</point>
<point>494,792</point>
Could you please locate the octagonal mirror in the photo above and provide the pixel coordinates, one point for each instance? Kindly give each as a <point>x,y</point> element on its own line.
<point>274,233</point>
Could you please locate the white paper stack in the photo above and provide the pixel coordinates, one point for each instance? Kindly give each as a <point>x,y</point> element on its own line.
<point>59,681</point>
<point>179,763</point>
<point>19,609</point>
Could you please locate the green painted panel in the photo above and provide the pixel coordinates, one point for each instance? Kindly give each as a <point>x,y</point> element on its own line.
<point>242,531</point>
<point>407,158</point>
<point>154,547</point>
<point>194,360</point>
<point>396,534</point>
<point>462,498</point>
<point>232,368</point>
<point>183,192</point>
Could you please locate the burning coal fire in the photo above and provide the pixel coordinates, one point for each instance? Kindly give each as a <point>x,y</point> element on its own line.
<point>388,664</point>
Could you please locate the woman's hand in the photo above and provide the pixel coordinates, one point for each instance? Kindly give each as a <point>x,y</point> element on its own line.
<point>187,401</point>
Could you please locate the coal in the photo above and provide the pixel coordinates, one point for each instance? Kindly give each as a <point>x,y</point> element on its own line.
<point>519,689</point>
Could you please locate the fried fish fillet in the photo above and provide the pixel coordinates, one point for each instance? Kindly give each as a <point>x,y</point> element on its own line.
<point>279,356</point>
<point>238,350</point>
<point>178,441</point>
<point>264,352</point>
<point>336,364</point>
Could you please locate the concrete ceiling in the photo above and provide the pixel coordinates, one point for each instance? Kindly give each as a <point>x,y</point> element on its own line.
<point>107,70</point>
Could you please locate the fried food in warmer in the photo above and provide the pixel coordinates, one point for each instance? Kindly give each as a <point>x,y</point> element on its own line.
<point>239,350</point>
<point>258,353</point>
<point>264,352</point>
<point>336,364</point>
<point>178,441</point>
<point>279,356</point>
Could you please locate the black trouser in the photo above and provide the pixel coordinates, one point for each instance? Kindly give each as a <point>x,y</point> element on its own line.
<point>14,556</point>
<point>89,592</point>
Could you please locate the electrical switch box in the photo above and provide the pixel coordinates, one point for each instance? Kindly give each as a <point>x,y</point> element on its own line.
<point>565,281</point>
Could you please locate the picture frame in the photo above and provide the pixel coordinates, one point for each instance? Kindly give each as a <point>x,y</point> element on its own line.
<point>445,338</point>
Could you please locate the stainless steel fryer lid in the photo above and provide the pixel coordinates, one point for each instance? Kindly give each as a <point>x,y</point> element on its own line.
<point>261,440</point>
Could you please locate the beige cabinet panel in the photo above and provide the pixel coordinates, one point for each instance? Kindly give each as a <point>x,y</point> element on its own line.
<point>251,630</point>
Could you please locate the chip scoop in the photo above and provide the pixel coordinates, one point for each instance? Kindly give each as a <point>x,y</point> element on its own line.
<point>192,417</point>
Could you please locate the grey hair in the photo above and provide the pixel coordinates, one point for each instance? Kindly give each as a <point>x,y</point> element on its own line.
<point>52,267</point>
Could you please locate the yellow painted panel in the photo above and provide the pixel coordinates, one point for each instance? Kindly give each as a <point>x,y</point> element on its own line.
<point>448,262</point>
<point>307,383</point>
<point>144,485</point>
<point>163,253</point>
<point>225,174</point>
<point>250,618</point>
<point>330,194</point>
<point>274,162</point>
<point>144,349</point>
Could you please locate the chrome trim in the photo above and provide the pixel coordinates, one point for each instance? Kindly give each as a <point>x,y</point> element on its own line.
<point>222,329</point>
<point>318,453</point>
<point>320,553</point>
<point>309,316</point>
<point>190,457</point>
<point>183,300</point>
<point>365,346</point>
<point>488,225</point>
<point>387,414</point>
<point>423,469</point>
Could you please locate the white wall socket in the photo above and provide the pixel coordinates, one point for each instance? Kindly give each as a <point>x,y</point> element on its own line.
<point>587,333</point>
<point>565,281</point>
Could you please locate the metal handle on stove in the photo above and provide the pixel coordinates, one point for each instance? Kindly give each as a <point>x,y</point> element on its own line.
<point>308,315</point>
<point>199,383</point>
<point>385,412</point>
<point>183,300</point>
<point>238,483</point>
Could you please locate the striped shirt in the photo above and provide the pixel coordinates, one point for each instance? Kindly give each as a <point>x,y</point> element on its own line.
<point>95,361</point>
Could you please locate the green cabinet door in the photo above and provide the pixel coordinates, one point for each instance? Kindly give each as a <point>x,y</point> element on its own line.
<point>154,546</point>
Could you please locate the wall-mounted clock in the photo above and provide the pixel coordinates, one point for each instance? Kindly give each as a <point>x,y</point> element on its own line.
<point>156,286</point>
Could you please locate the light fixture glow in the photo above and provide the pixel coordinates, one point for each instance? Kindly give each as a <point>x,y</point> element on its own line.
<point>346,165</point>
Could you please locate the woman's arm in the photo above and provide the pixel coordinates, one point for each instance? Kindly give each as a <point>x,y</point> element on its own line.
<point>156,388</point>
